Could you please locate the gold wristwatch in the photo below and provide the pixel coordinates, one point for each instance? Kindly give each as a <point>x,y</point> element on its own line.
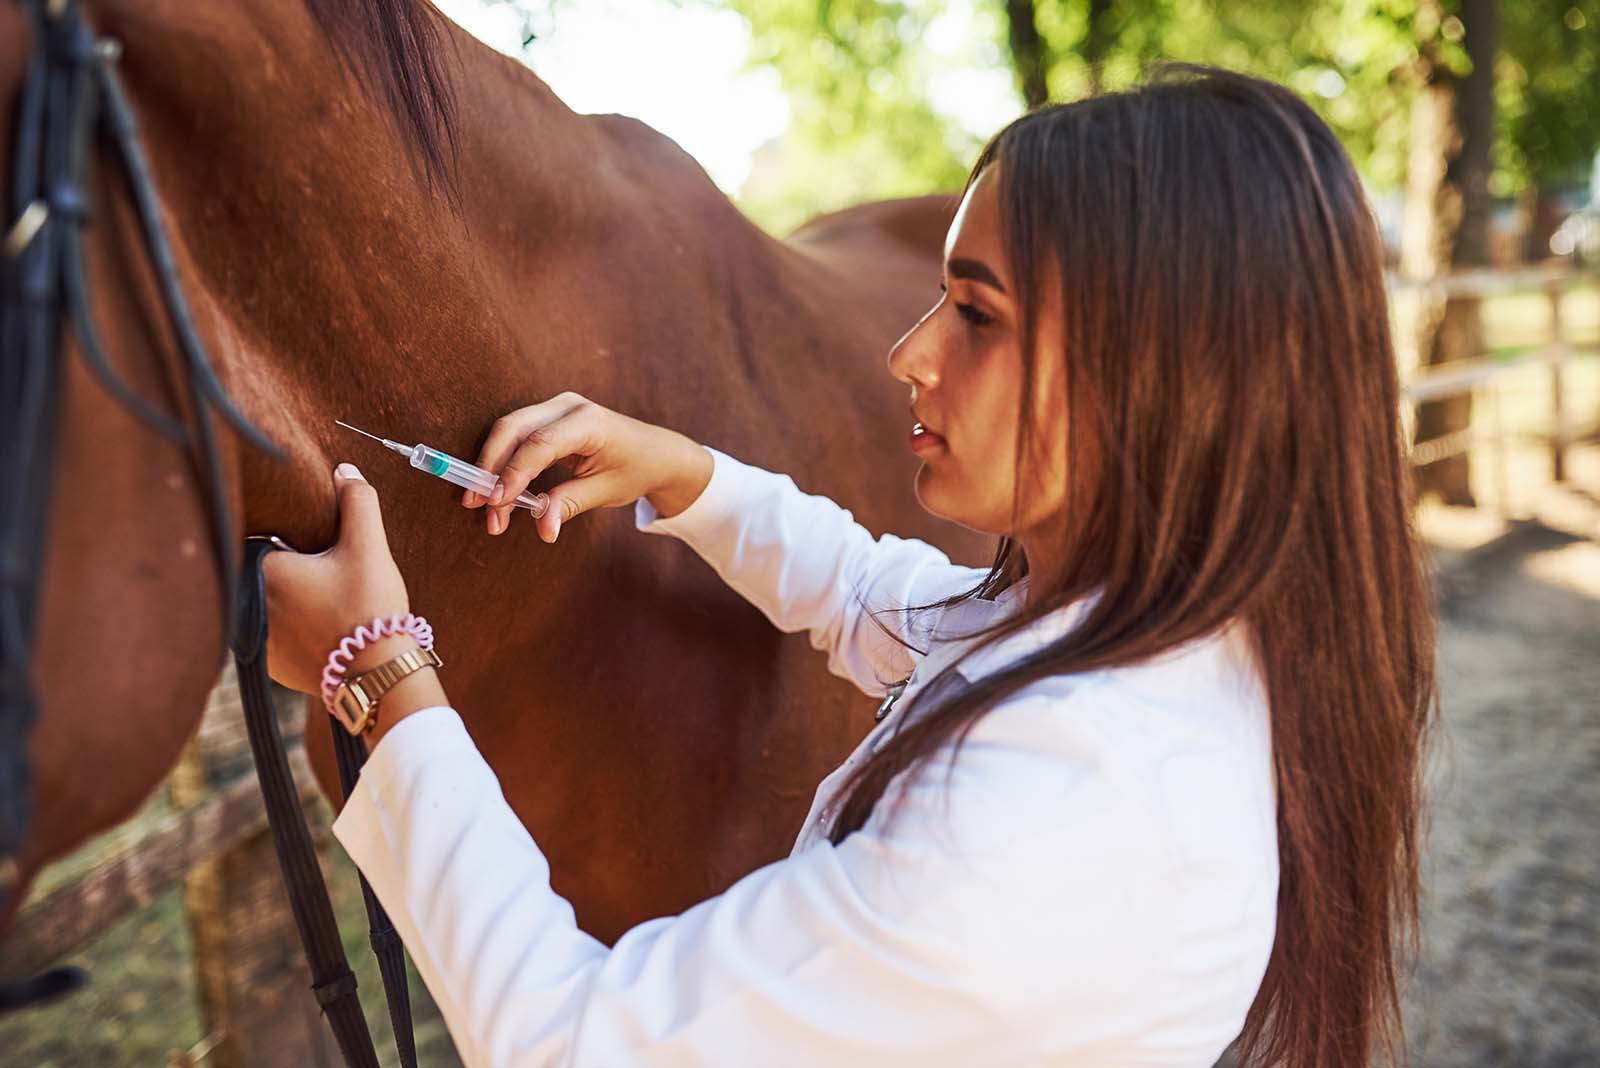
<point>355,702</point>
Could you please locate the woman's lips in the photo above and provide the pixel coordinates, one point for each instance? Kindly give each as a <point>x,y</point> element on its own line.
<point>923,439</point>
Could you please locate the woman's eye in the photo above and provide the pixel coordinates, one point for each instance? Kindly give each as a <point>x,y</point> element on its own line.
<point>973,315</point>
<point>969,312</point>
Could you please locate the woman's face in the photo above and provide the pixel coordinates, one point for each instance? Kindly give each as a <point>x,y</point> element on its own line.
<point>963,361</point>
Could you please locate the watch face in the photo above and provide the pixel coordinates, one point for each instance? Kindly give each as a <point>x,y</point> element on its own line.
<point>351,708</point>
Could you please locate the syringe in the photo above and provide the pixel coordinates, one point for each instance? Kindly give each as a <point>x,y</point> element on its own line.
<point>447,467</point>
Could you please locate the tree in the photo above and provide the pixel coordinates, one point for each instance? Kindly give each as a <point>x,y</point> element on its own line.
<point>1548,97</point>
<point>863,126</point>
<point>1447,207</point>
<point>1450,99</point>
<point>1027,52</point>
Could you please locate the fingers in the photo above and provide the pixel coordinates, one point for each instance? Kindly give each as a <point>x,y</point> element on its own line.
<point>509,431</point>
<point>272,574</point>
<point>574,497</point>
<point>360,518</point>
<point>574,432</point>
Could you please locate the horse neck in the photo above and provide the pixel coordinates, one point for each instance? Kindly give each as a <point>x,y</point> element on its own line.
<point>336,282</point>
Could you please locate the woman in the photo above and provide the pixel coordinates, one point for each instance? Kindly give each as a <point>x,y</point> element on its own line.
<point>1154,782</point>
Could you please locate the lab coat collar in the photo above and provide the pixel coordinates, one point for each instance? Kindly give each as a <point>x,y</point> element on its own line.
<point>1041,632</point>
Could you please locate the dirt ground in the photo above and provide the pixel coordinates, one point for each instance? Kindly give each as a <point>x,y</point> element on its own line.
<point>1510,970</point>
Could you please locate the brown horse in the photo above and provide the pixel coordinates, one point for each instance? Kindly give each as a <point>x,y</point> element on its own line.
<point>379,219</point>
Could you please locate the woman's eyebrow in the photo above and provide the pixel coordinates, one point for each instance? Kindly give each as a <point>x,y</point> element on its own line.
<point>976,270</point>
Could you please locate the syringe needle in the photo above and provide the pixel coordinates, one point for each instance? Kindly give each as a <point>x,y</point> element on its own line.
<point>357,429</point>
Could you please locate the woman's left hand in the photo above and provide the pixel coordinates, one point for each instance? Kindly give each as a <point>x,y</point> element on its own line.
<point>316,599</point>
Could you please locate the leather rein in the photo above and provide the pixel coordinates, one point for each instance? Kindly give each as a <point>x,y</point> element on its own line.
<point>71,91</point>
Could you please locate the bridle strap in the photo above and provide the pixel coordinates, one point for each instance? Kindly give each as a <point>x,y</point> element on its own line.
<point>43,285</point>
<point>52,119</point>
<point>70,88</point>
<point>331,979</point>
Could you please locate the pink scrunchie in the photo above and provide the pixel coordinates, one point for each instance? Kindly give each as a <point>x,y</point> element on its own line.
<point>339,659</point>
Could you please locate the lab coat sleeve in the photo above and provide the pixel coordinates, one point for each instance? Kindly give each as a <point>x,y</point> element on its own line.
<point>804,561</point>
<point>892,948</point>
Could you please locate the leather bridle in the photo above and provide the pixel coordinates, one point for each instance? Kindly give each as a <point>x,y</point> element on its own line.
<point>70,92</point>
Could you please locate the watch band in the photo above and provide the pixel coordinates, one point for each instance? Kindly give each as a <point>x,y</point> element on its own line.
<point>355,703</point>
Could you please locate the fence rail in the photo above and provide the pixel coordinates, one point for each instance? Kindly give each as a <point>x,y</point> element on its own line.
<point>256,1006</point>
<point>68,917</point>
<point>1486,373</point>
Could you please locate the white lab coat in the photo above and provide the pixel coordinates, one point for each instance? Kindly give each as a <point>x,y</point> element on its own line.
<point>1094,884</point>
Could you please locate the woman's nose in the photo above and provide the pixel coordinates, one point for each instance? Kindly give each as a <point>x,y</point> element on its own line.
<point>914,359</point>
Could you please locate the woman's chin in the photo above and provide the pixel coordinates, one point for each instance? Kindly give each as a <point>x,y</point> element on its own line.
<point>935,498</point>
<point>939,499</point>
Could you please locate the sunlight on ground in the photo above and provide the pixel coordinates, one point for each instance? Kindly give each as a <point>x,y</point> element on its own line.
<point>1575,568</point>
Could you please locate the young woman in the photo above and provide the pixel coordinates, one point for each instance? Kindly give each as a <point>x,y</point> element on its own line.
<point>1154,782</point>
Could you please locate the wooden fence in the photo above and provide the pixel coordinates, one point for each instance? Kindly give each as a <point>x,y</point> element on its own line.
<point>1483,375</point>
<point>252,982</point>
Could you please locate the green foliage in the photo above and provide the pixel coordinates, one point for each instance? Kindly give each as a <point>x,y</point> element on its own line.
<point>862,126</point>
<point>1352,60</point>
<point>1548,92</point>
<point>858,74</point>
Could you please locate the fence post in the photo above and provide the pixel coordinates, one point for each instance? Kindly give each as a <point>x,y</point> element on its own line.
<point>1555,289</point>
<point>1497,442</point>
<point>252,982</point>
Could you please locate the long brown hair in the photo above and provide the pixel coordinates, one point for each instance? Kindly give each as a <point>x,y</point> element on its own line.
<point>1230,374</point>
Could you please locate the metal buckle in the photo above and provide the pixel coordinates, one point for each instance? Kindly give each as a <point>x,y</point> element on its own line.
<point>274,539</point>
<point>26,228</point>
<point>888,702</point>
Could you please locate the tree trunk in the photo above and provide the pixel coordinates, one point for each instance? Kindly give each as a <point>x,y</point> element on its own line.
<point>1446,228</point>
<point>1027,53</point>
<point>1097,40</point>
<point>1545,213</point>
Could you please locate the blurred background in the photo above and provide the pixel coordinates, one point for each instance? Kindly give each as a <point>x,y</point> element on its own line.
<point>1476,127</point>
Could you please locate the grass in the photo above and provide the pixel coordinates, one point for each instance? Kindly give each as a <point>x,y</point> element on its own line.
<point>140,1005</point>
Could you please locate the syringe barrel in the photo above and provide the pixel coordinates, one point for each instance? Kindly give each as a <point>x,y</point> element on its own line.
<point>468,476</point>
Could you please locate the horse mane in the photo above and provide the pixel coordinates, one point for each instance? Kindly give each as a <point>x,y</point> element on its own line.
<point>393,47</point>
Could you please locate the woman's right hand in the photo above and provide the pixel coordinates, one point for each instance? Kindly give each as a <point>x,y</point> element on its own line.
<point>618,460</point>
